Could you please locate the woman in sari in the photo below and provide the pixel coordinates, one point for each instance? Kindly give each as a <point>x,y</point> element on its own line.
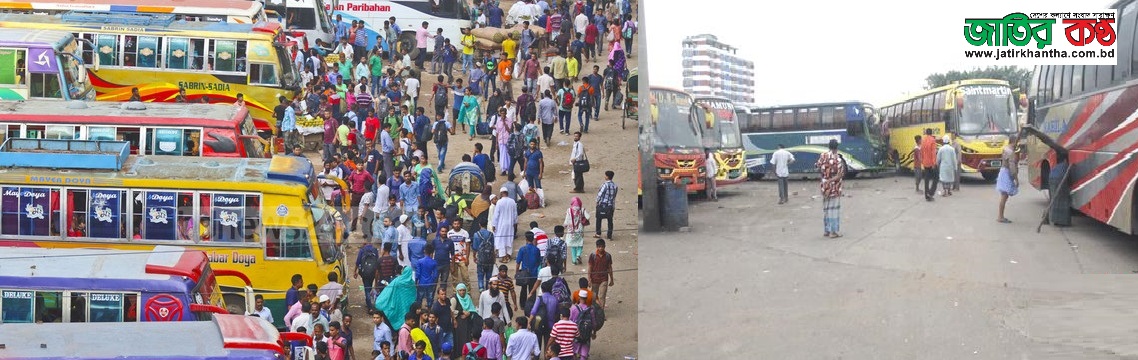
<point>466,321</point>
<point>471,113</point>
<point>576,218</point>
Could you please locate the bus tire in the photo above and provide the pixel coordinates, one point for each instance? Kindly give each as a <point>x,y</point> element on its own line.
<point>407,38</point>
<point>234,303</point>
<point>990,176</point>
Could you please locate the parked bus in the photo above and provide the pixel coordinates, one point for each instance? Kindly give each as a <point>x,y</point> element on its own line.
<point>451,16</point>
<point>263,217</point>
<point>224,337</point>
<point>1089,111</point>
<point>675,134</point>
<point>806,130</point>
<point>97,285</point>
<point>310,17</point>
<point>211,61</point>
<point>721,138</point>
<point>981,113</point>
<point>40,64</point>
<point>151,128</point>
<point>231,11</point>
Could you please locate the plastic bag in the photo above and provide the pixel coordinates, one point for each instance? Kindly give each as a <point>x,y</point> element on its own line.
<point>523,186</point>
<point>398,296</point>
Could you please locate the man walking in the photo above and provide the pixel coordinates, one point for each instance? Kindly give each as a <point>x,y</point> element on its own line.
<point>576,156</point>
<point>928,163</point>
<point>600,273</point>
<point>781,160</point>
<point>547,113</point>
<point>712,170</point>
<point>606,204</point>
<point>833,168</point>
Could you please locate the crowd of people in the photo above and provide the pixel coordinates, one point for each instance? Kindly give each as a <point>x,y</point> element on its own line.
<point>386,188</point>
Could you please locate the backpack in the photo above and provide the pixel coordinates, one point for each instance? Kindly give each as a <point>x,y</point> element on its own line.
<point>561,292</point>
<point>422,135</point>
<point>533,201</point>
<point>530,133</point>
<point>485,247</point>
<point>451,208</point>
<point>583,99</point>
<point>515,144</point>
<point>585,325</point>
<point>440,99</point>
<point>370,263</point>
<point>627,32</point>
<point>441,135</point>
<point>567,99</point>
<point>472,352</point>
<point>554,252</point>
<point>530,111</point>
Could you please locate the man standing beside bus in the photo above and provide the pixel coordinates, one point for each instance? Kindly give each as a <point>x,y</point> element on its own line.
<point>286,122</point>
<point>421,36</point>
<point>928,163</point>
<point>781,160</point>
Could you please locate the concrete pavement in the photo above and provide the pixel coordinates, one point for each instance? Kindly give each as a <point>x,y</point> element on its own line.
<point>910,279</point>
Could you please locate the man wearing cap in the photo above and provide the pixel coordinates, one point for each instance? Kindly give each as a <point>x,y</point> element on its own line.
<point>404,231</point>
<point>505,219</point>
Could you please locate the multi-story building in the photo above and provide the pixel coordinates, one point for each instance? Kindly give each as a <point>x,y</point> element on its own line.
<point>714,68</point>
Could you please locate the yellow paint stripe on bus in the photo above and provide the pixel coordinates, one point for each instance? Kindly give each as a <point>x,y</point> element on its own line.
<point>155,9</point>
<point>25,6</point>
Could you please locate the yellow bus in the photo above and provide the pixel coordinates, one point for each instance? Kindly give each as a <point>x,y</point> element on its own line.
<point>980,112</point>
<point>212,62</point>
<point>261,217</point>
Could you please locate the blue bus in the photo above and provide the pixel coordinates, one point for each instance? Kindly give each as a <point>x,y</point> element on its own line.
<point>806,130</point>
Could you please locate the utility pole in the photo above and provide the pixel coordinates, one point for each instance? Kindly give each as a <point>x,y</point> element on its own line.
<point>650,212</point>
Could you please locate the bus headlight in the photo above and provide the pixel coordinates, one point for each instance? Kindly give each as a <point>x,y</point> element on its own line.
<point>665,171</point>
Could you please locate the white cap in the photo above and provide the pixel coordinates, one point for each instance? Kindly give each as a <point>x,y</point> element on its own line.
<point>503,189</point>
<point>324,298</point>
<point>403,218</point>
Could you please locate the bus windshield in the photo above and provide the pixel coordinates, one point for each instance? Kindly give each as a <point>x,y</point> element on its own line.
<point>729,135</point>
<point>325,233</point>
<point>988,109</point>
<point>673,123</point>
<point>78,84</point>
<point>289,74</point>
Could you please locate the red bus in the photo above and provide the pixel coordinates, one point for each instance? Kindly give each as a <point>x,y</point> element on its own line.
<point>215,130</point>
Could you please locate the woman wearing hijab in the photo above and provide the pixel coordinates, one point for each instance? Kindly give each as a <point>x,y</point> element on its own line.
<point>617,56</point>
<point>471,113</point>
<point>428,186</point>
<point>495,102</point>
<point>576,218</point>
<point>466,319</point>
<point>946,161</point>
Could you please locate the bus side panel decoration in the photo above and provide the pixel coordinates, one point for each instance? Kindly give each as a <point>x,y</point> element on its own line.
<point>163,308</point>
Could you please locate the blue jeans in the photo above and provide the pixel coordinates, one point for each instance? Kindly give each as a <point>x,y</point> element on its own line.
<point>484,272</point>
<point>583,116</point>
<point>533,180</point>
<point>374,85</point>
<point>597,105</point>
<point>329,149</point>
<point>442,149</point>
<point>424,292</point>
<point>564,119</point>
<point>467,63</point>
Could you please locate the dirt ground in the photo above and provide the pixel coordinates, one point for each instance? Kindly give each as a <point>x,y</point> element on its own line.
<point>609,147</point>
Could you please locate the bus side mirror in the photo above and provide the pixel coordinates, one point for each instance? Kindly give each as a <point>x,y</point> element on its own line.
<point>1031,113</point>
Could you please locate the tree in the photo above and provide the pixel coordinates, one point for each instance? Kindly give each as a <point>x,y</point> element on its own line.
<point>1015,76</point>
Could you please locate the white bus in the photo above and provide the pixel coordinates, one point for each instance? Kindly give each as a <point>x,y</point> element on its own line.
<point>450,15</point>
<point>310,17</point>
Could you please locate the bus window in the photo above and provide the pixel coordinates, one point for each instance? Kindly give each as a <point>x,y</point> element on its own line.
<point>193,140</point>
<point>62,132</point>
<point>108,49</point>
<point>228,218</point>
<point>88,57</point>
<point>104,216</point>
<point>165,141</point>
<point>28,211</point>
<point>224,54</point>
<point>197,54</point>
<point>101,133</point>
<point>252,218</point>
<point>148,49</point>
<point>156,214</point>
<point>8,129</point>
<point>78,307</point>
<point>292,243</point>
<point>131,135</point>
<point>301,18</point>
<point>49,306</point>
<point>262,74</point>
<point>77,221</point>
<point>187,226</point>
<point>106,307</point>
<point>45,86</point>
<point>177,53</point>
<point>12,60</point>
<point>130,308</point>
<point>17,306</point>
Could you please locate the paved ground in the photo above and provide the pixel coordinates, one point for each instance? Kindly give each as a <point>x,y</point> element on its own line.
<point>910,279</point>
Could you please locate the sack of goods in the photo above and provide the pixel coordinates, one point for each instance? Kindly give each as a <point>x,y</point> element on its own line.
<point>497,35</point>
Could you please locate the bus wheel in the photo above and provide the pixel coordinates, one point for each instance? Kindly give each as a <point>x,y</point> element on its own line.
<point>234,303</point>
<point>990,176</point>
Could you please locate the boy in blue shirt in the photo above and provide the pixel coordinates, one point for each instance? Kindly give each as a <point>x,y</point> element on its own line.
<point>426,272</point>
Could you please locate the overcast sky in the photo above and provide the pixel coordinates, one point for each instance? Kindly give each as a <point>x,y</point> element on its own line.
<point>824,50</point>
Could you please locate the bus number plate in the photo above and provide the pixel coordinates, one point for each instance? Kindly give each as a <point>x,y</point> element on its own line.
<point>996,163</point>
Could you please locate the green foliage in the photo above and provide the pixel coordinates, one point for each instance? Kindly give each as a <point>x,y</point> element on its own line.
<point>1015,76</point>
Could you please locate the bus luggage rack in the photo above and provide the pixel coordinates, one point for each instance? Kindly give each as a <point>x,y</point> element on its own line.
<point>119,18</point>
<point>64,154</point>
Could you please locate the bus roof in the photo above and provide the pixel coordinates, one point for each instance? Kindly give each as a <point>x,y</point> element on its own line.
<point>29,262</point>
<point>224,337</point>
<point>143,6</point>
<point>204,115</point>
<point>196,27</point>
<point>810,105</point>
<point>53,38</point>
<point>954,84</point>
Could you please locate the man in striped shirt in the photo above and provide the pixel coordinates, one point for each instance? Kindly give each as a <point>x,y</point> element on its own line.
<point>565,334</point>
<point>606,203</point>
<point>363,100</point>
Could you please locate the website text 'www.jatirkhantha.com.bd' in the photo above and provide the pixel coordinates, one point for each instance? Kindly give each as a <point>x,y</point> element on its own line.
<point>1030,53</point>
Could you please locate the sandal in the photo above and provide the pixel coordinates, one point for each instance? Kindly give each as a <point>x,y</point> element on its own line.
<point>835,235</point>
<point>1005,221</point>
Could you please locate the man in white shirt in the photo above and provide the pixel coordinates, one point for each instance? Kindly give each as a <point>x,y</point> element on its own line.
<point>577,154</point>
<point>487,299</point>
<point>522,344</point>
<point>580,23</point>
<point>304,319</point>
<point>260,309</point>
<point>712,169</point>
<point>545,82</point>
<point>781,160</point>
<point>413,90</point>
